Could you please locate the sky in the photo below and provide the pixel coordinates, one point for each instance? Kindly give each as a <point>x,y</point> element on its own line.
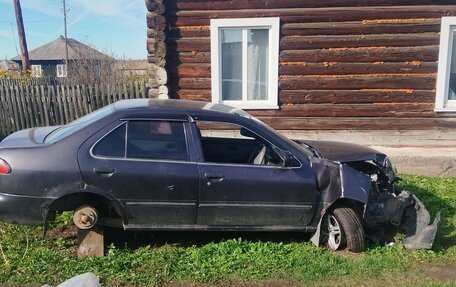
<point>115,27</point>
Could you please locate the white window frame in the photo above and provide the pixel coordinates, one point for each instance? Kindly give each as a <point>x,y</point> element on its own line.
<point>62,72</point>
<point>36,71</point>
<point>273,25</point>
<point>448,29</point>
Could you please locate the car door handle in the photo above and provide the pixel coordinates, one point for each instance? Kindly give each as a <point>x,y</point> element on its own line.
<point>214,177</point>
<point>106,171</point>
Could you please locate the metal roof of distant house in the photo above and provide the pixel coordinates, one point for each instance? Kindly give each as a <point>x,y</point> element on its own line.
<point>7,65</point>
<point>55,51</point>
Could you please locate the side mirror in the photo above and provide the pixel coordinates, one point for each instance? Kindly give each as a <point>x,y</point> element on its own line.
<point>287,159</point>
<point>247,133</point>
<point>286,156</point>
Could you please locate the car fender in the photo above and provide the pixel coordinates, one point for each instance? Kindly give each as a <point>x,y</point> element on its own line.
<point>60,195</point>
<point>337,182</point>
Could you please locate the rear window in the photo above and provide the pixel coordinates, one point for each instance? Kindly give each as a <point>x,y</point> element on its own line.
<point>78,124</point>
<point>145,139</point>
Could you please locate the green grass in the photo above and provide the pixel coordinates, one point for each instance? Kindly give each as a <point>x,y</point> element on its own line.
<point>27,259</point>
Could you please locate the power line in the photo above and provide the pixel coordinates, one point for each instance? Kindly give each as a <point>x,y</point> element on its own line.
<point>34,21</point>
<point>40,21</point>
<point>14,38</point>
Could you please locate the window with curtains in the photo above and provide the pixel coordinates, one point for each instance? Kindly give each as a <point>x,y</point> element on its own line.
<point>446,77</point>
<point>244,62</point>
<point>36,71</point>
<point>61,71</point>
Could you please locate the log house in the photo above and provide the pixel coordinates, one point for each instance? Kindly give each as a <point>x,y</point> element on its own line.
<point>311,65</point>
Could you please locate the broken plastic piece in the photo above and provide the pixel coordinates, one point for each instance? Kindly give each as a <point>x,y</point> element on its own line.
<point>423,235</point>
<point>84,280</point>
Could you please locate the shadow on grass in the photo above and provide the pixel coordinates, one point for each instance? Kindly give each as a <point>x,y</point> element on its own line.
<point>136,239</point>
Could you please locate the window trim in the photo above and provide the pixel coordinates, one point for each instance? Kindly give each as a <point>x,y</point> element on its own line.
<point>442,104</point>
<point>64,73</point>
<point>273,24</point>
<point>36,68</point>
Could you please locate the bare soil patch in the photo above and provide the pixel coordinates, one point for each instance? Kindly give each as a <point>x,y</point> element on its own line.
<point>443,272</point>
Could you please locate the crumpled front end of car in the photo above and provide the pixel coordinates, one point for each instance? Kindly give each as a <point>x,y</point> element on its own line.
<point>389,207</point>
<point>366,176</point>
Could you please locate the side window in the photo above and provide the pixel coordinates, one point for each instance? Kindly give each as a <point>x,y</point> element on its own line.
<point>232,143</point>
<point>112,145</point>
<point>156,140</point>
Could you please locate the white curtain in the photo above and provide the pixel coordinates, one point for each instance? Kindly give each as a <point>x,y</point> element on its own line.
<point>257,67</point>
<point>231,40</point>
<point>452,89</point>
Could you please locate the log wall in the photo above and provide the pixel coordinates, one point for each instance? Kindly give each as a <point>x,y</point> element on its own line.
<point>344,64</point>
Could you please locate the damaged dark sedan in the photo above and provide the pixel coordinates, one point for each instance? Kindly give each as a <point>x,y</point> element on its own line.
<point>184,165</point>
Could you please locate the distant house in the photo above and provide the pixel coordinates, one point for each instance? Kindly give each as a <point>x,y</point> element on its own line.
<point>8,65</point>
<point>49,59</point>
<point>134,67</point>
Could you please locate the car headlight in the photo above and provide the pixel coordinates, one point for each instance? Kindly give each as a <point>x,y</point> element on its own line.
<point>390,170</point>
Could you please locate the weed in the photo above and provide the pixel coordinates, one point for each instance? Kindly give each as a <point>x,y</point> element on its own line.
<point>25,258</point>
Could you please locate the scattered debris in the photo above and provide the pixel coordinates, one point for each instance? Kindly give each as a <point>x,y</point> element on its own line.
<point>84,280</point>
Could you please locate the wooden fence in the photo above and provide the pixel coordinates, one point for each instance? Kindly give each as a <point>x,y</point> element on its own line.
<point>26,106</point>
<point>35,81</point>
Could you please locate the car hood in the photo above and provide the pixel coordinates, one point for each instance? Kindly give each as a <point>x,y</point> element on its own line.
<point>345,152</point>
<point>27,137</point>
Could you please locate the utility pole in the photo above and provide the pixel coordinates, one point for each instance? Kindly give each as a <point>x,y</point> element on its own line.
<point>66,38</point>
<point>21,33</point>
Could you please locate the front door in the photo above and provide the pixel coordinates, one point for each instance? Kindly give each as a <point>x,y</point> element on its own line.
<point>243,183</point>
<point>145,165</point>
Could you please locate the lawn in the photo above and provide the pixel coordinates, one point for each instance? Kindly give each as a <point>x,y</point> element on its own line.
<point>236,259</point>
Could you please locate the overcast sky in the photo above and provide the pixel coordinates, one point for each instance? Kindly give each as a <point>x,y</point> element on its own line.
<point>116,27</point>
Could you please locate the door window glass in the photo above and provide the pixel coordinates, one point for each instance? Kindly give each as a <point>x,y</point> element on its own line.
<point>232,143</point>
<point>112,145</point>
<point>156,140</point>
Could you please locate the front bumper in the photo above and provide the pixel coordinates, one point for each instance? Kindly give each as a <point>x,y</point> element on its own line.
<point>405,211</point>
<point>22,209</point>
<point>415,222</point>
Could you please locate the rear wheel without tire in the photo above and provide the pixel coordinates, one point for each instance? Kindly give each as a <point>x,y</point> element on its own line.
<point>343,230</point>
<point>85,217</point>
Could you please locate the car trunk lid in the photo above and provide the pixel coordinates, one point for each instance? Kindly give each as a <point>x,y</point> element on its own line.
<point>27,137</point>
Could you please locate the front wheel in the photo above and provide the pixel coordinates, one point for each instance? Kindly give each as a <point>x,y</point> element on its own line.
<point>343,230</point>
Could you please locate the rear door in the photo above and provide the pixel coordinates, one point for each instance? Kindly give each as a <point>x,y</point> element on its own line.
<point>146,165</point>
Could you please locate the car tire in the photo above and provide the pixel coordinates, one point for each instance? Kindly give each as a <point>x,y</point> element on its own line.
<point>343,230</point>
<point>85,217</point>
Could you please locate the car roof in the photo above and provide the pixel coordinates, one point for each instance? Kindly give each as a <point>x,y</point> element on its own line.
<point>174,104</point>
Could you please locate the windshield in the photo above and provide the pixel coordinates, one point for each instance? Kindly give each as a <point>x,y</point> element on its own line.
<point>304,149</point>
<point>78,124</point>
